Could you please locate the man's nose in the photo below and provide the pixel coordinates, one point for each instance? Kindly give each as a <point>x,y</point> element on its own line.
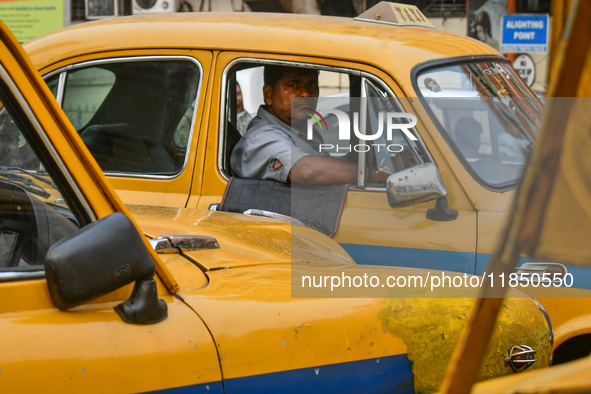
<point>305,92</point>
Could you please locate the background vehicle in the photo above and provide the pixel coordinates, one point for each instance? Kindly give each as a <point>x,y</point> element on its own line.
<point>352,56</point>
<point>552,197</point>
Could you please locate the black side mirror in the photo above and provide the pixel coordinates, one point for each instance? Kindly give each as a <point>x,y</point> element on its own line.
<point>100,258</point>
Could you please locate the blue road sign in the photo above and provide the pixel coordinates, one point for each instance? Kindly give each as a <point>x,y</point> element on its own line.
<point>524,33</point>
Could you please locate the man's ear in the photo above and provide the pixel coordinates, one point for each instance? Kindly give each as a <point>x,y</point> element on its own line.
<point>267,93</point>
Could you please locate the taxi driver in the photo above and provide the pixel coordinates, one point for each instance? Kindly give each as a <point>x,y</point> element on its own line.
<point>275,145</point>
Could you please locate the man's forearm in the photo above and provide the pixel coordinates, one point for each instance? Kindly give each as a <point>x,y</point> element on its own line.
<point>314,170</point>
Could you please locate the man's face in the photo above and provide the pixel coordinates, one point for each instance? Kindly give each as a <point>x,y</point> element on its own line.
<point>292,85</point>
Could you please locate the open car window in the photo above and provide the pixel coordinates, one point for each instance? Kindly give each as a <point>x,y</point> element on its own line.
<point>339,92</point>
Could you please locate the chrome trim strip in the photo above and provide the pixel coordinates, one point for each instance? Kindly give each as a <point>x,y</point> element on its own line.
<point>54,72</point>
<point>48,145</point>
<point>131,59</point>
<point>375,189</point>
<point>363,131</point>
<point>187,243</point>
<point>357,73</point>
<point>22,275</point>
<point>273,215</point>
<point>175,243</point>
<point>163,246</point>
<point>60,89</point>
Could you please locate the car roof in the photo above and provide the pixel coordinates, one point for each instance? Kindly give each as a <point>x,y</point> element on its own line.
<point>320,36</point>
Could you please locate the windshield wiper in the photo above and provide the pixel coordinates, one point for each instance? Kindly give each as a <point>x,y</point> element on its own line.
<point>10,173</point>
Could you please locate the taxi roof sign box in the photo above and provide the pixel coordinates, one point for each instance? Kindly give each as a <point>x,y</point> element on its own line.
<point>395,14</point>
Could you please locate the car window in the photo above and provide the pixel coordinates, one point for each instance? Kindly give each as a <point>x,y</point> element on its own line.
<point>33,213</point>
<point>487,114</point>
<point>244,96</point>
<point>339,92</point>
<point>135,116</point>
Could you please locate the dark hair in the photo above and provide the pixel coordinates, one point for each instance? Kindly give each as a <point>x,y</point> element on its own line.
<point>483,20</point>
<point>273,73</point>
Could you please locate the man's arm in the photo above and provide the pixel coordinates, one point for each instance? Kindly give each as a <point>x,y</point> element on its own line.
<point>318,170</point>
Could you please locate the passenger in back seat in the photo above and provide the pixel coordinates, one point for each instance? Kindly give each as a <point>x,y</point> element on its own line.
<point>243,117</point>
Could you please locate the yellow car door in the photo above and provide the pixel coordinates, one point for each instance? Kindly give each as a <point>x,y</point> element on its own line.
<point>49,188</point>
<point>370,230</point>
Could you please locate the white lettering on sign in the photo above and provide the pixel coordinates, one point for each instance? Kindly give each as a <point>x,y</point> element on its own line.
<point>513,24</point>
<point>524,35</point>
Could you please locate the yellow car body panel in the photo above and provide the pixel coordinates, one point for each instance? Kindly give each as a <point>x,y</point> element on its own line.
<point>573,377</point>
<point>324,38</point>
<point>412,230</point>
<point>334,330</point>
<point>386,52</point>
<point>93,350</point>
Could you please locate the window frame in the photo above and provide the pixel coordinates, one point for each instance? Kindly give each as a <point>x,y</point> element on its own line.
<point>317,66</point>
<point>63,71</point>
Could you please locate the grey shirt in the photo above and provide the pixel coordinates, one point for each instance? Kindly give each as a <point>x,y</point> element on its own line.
<point>266,140</point>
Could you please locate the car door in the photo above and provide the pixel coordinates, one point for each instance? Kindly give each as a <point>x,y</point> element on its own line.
<point>370,227</point>
<point>370,230</point>
<point>139,114</point>
<point>49,188</point>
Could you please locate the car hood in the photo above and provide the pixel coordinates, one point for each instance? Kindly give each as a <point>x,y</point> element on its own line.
<point>244,240</point>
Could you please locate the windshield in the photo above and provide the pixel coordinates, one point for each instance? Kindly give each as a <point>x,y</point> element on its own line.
<point>18,162</point>
<point>33,213</point>
<point>487,114</point>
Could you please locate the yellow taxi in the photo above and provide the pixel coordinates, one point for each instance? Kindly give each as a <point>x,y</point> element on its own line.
<point>156,101</point>
<point>191,300</point>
